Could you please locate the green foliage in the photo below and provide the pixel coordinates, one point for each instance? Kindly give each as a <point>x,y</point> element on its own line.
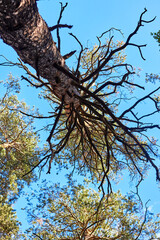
<point>77,213</point>
<point>9,226</point>
<point>18,146</point>
<point>92,57</point>
<point>157,36</point>
<point>19,152</point>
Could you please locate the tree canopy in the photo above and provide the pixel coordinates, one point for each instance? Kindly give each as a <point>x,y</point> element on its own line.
<point>18,144</point>
<point>71,213</point>
<point>91,130</point>
<point>19,152</point>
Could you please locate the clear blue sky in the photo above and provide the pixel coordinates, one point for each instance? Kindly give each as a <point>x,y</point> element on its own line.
<point>90,18</point>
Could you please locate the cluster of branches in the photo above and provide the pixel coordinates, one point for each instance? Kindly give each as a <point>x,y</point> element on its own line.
<point>102,140</point>
<point>88,125</point>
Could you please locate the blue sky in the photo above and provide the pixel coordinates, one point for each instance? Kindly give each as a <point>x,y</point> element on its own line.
<point>89,19</point>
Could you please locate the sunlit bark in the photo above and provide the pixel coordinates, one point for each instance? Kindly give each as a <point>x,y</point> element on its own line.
<point>22,27</point>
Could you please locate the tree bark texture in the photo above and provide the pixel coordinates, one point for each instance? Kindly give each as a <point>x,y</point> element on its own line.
<point>22,27</point>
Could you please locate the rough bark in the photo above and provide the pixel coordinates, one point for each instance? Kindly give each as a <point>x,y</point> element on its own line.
<point>22,27</point>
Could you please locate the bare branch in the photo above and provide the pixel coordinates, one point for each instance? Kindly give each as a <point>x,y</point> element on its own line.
<point>60,26</point>
<point>138,101</point>
<point>79,57</point>
<point>112,52</point>
<point>58,22</point>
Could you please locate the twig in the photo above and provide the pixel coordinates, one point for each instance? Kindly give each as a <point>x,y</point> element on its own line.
<point>60,26</point>
<point>58,22</point>
<point>80,54</point>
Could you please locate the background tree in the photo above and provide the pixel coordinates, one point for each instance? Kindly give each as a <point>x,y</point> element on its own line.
<point>71,213</point>
<point>18,144</point>
<point>19,152</point>
<point>9,225</point>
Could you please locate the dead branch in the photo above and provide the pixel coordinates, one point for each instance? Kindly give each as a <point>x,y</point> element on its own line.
<point>58,22</point>
<point>60,26</point>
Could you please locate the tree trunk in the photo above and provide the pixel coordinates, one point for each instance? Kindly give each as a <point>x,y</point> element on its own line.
<point>22,27</point>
